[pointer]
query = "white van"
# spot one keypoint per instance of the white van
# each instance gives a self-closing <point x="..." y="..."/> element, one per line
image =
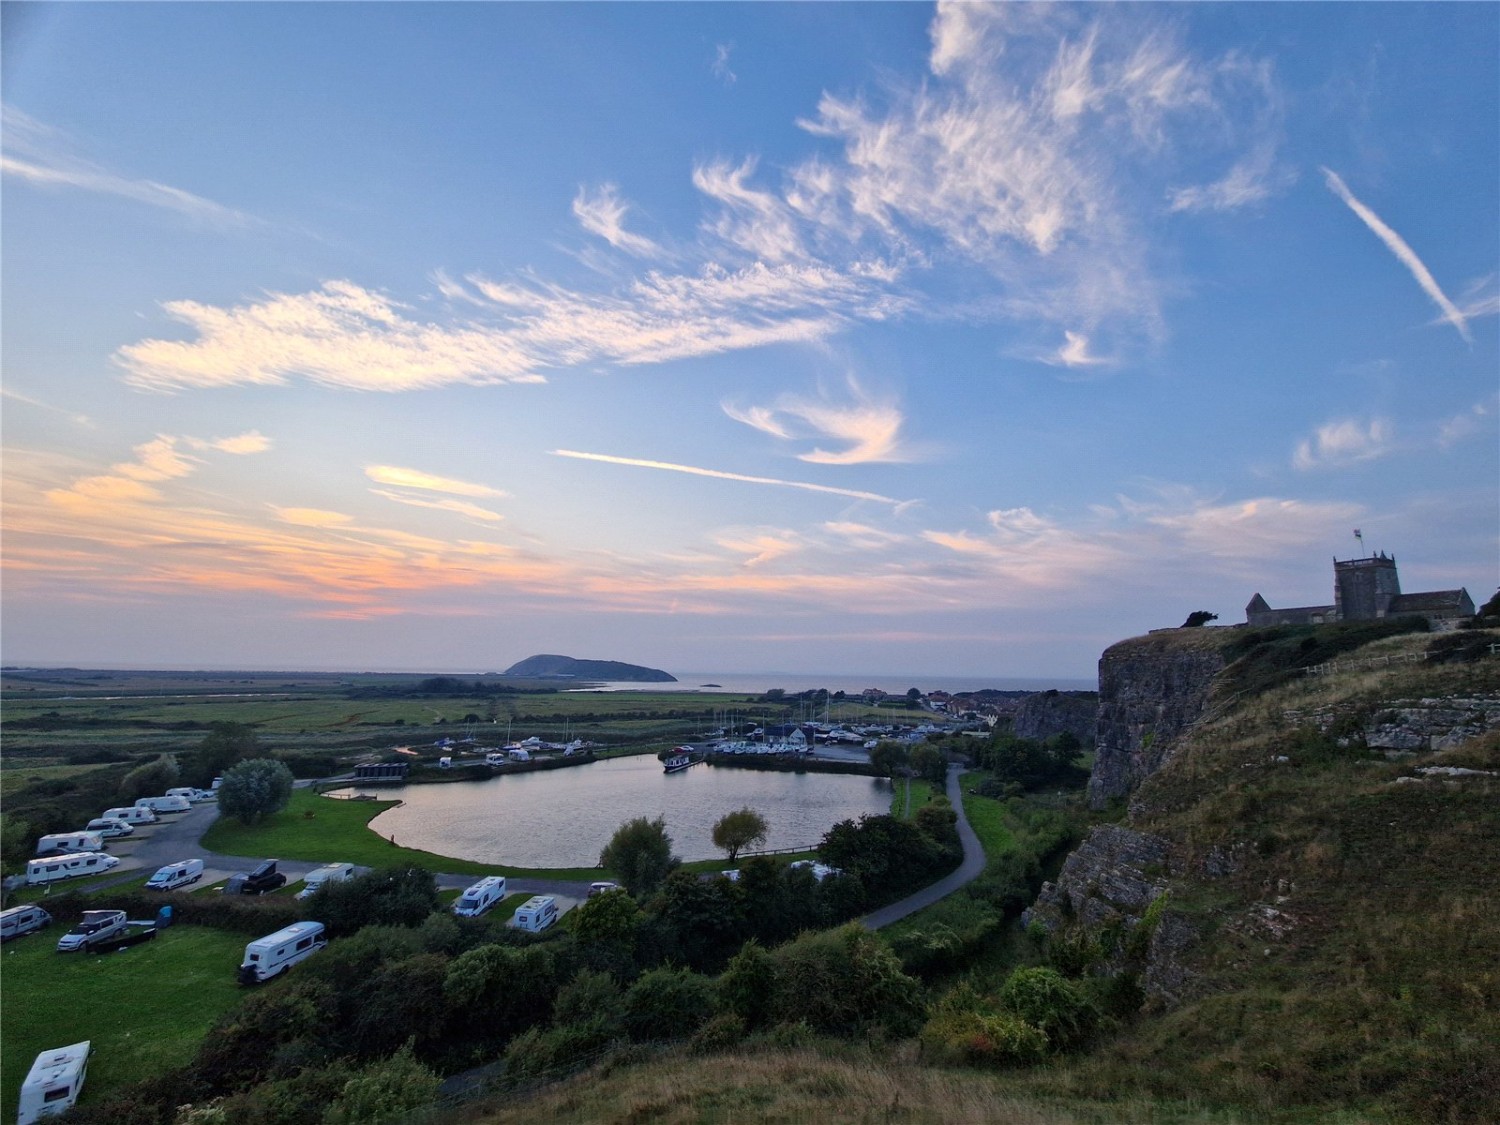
<point x="164" y="804"/>
<point x="54" y="1082"/>
<point x="536" y="914"/>
<point x="175" y="875"/>
<point x="480" y="897"/>
<point x="20" y="920"/>
<point x="275" y="953"/>
<point x="57" y="868"/>
<point x="95" y="926"/>
<point x="329" y="873"/>
<point x="67" y="843"/>
<point x="130" y="815"/>
<point x="109" y="828"/>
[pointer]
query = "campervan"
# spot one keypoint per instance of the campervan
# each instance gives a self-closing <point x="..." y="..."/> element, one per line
<point x="130" y="815"/>
<point x="495" y="758"/>
<point x="20" y="920"/>
<point x="480" y="897"/>
<point x="164" y="804"/>
<point x="109" y="828"/>
<point x="321" y="876"/>
<point x="54" y="1082"/>
<point x="536" y="913"/>
<point x="94" y="927"/>
<point x="175" y="875"/>
<point x="60" y="867"/>
<point x="67" y="843"/>
<point x="275" y="953"/>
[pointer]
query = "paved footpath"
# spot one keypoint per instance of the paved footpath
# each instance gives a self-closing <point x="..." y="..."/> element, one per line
<point x="969" y="870"/>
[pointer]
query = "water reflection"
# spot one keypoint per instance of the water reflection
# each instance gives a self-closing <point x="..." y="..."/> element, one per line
<point x="562" y="818"/>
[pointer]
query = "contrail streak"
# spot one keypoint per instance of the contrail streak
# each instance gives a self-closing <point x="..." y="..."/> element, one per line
<point x="693" y="470"/>
<point x="1405" y="253"/>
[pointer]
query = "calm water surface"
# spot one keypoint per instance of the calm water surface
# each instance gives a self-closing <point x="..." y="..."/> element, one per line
<point x="562" y="818"/>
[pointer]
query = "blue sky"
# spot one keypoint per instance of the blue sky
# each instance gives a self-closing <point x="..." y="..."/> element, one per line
<point x="871" y="338"/>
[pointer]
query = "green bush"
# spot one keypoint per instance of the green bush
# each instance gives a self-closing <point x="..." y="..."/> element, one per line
<point x="843" y="981"/>
<point x="977" y="1038"/>
<point x="668" y="1004"/>
<point x="1047" y="1000"/>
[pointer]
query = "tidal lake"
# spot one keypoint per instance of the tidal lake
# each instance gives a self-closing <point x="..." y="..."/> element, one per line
<point x="564" y="817"/>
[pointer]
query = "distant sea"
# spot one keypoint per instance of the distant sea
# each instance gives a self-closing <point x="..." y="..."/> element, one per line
<point x="757" y="683"/>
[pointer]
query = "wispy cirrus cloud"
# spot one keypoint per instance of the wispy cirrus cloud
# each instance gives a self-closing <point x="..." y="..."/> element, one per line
<point x="720" y="66"/>
<point x="1404" y="254"/>
<point x="718" y="474"/>
<point x="37" y="154"/>
<point x="1074" y="352"/>
<point x="869" y="428"/>
<point x="401" y="477"/>
<point x="160" y="459"/>
<point x="1346" y="441"/>
<point x="602" y="212"/>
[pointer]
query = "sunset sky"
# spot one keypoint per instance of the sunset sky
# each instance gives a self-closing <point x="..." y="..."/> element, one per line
<point x="873" y="338"/>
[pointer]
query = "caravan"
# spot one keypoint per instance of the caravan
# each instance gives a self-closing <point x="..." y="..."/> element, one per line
<point x="58" y="868"/>
<point x="190" y="795"/>
<point x="480" y="897"/>
<point x="322" y="876"/>
<point x="275" y="953"/>
<point x="20" y="920"/>
<point x="109" y="828"/>
<point x="54" y="1082"/>
<point x="130" y="815"/>
<point x="67" y="843"/>
<point x="164" y="804"/>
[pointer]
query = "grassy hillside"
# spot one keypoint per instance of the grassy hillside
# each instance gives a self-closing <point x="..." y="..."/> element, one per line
<point x="1339" y="952"/>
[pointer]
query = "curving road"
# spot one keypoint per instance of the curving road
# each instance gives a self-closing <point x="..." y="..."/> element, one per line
<point x="969" y="870"/>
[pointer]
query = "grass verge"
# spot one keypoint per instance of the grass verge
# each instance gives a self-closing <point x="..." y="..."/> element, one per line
<point x="144" y="1008"/>
<point x="324" y="830"/>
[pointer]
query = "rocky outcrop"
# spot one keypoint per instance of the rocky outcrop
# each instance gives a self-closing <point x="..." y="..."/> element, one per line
<point x="1151" y="689"/>
<point x="1113" y="876"/>
<point x="1049" y="713"/>
<point x="1419" y="725"/>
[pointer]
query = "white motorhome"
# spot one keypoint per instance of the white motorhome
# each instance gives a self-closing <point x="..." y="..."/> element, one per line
<point x="164" y="804"/>
<point x="536" y="914"/>
<point x="275" y="953"/>
<point x="109" y="828"/>
<point x="58" y="868"/>
<point x="175" y="875"/>
<point x="54" y="1082"/>
<point x="329" y="873"/>
<point x="20" y="920"/>
<point x="130" y="815"/>
<point x="67" y="843"/>
<point x="480" y="897"/>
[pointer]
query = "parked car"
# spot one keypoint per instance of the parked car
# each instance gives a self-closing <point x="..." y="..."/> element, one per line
<point x="94" y="927"/>
<point x="110" y="828"/>
<point x="263" y="878"/>
<point x="602" y="886"/>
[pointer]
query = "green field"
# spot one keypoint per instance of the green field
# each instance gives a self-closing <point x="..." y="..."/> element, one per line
<point x="987" y="817"/>
<point x="325" y="830"/>
<point x="144" y="1009"/>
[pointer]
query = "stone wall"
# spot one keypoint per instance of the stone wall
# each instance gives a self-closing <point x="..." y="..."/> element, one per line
<point x="1151" y="689"/>
<point x="1049" y="713"/>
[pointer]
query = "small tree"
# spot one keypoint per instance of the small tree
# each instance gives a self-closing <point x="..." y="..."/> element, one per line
<point x="738" y="830"/>
<point x="1199" y="617"/>
<point x="149" y="780"/>
<point x="255" y="789"/>
<point x="889" y="758"/>
<point x="930" y="763"/>
<point x="640" y="853"/>
<point x="225" y="745"/>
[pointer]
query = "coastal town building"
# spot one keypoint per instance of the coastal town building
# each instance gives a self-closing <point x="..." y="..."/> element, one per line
<point x="1367" y="589"/>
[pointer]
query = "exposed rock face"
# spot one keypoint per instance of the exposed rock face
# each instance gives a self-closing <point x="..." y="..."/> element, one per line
<point x="1151" y="689"/>
<point x="1114" y="875"/>
<point x="1051" y="713"/>
<point x="1413" y="726"/>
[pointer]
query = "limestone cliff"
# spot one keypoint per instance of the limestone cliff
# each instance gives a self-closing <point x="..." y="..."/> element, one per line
<point x="1151" y="690"/>
<point x="1049" y="713"/>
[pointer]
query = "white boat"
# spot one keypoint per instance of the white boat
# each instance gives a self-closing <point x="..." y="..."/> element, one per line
<point x="679" y="759"/>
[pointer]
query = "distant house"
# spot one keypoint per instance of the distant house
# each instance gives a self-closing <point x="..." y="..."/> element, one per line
<point x="1367" y="589"/>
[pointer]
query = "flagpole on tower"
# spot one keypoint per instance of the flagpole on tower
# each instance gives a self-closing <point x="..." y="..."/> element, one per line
<point x="1360" y="536"/>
